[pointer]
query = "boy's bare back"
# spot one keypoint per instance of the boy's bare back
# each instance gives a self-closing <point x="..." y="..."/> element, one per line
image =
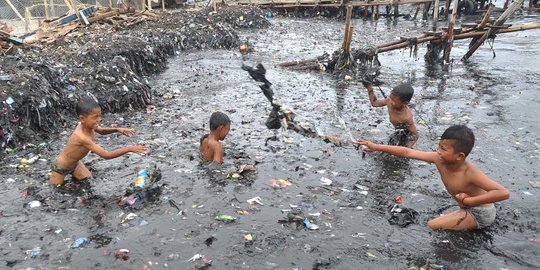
<point x="75" y="148"/>
<point x="211" y="150"/>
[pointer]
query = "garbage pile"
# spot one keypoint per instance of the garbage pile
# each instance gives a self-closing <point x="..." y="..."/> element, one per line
<point x="101" y="52"/>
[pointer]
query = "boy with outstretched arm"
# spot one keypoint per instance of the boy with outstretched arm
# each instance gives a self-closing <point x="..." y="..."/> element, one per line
<point x="400" y="114"/>
<point x="473" y="190"/>
<point x="210" y="148"/>
<point x="82" y="141"/>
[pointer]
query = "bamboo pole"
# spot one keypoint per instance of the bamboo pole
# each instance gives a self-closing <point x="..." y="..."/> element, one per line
<point x="15" y="10"/>
<point x="349" y="39"/>
<point x="27" y="19"/>
<point x="163" y="5"/>
<point x="46" y="6"/>
<point x="508" y="30"/>
<point x="347" y="26"/>
<point x="485" y="20"/>
<point x="446" y="7"/>
<point x="513" y="7"/>
<point x="450" y="34"/>
<point x="435" y="15"/>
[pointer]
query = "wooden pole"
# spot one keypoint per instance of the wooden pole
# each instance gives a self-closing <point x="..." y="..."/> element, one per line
<point x="46" y="7"/>
<point x="53" y="10"/>
<point x="435" y="15"/>
<point x="446" y="7"/>
<point x="485" y="20"/>
<point x="349" y="40"/>
<point x="110" y="4"/>
<point x="508" y="30"/>
<point x="15" y="10"/>
<point x="450" y="34"/>
<point x="347" y="26"/>
<point x="513" y="7"/>
<point x="27" y="19"/>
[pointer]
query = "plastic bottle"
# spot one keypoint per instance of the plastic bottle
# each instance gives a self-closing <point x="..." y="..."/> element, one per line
<point x="142" y="178"/>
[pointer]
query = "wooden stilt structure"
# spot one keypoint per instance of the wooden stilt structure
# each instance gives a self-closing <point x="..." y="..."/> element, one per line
<point x="450" y="34"/>
<point x="435" y="15"/>
<point x="493" y="30"/>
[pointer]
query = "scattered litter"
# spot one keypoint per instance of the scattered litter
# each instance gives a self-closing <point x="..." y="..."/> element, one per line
<point x="535" y="184"/>
<point x="34" y="204"/>
<point x="242" y="212"/>
<point x="248" y="237"/>
<point x="280" y="183"/>
<point x="256" y="200"/>
<point x="34" y="253"/>
<point x="208" y="242"/>
<point x="225" y="218"/>
<point x="122" y="254"/>
<point x="310" y="225"/>
<point x="143" y="222"/>
<point x="528" y="193"/>
<point x="402" y="216"/>
<point x="129" y="217"/>
<point x="359" y="235"/>
<point x="371" y="255"/>
<point x="325" y="181"/>
<point x="194" y="258"/>
<point x="79" y="243"/>
<point x="398" y="200"/>
<point x="534" y="240"/>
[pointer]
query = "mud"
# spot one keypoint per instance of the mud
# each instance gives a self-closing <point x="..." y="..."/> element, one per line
<point x="496" y="97"/>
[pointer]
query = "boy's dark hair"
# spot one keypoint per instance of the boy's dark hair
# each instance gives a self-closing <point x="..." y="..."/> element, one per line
<point x="218" y="119"/>
<point x="462" y="136"/>
<point x="404" y="91"/>
<point x="85" y="105"/>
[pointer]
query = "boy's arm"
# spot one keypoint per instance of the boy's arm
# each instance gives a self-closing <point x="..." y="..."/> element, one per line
<point x="495" y="191"/>
<point x="218" y="152"/>
<point x="414" y="133"/>
<point x="92" y="146"/>
<point x="124" y="131"/>
<point x="372" y="98"/>
<point x="400" y="151"/>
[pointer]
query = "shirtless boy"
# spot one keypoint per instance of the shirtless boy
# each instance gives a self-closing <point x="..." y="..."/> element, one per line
<point x="473" y="190"/>
<point x="211" y="149"/>
<point x="400" y="114"/>
<point x="82" y="141"/>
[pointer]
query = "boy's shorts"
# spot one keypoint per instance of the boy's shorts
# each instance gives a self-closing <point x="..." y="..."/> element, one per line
<point x="60" y="170"/>
<point x="484" y="216"/>
<point x="401" y="136"/>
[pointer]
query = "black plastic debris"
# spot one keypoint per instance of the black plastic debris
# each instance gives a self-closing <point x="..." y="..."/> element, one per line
<point x="402" y="216"/>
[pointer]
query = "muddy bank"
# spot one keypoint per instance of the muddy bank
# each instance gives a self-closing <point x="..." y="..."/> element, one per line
<point x="109" y="60"/>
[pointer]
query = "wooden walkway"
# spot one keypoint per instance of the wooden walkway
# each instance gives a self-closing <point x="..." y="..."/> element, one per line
<point x="326" y="3"/>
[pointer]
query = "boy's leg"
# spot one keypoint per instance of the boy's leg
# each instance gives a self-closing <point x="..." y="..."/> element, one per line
<point x="81" y="172"/>
<point x="457" y="220"/>
<point x="56" y="178"/>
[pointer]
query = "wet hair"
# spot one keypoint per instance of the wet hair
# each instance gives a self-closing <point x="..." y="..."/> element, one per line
<point x="404" y="91"/>
<point x="462" y="136"/>
<point x="85" y="105"/>
<point x="218" y="119"/>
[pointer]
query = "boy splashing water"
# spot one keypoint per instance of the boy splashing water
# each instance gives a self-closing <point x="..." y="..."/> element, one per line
<point x="82" y="141"/>
<point x="473" y="190"/>
<point x="400" y="115"/>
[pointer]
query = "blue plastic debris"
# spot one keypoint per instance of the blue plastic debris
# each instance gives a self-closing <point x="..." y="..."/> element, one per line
<point x="81" y="242"/>
<point x="5" y="78"/>
<point x="310" y="225"/>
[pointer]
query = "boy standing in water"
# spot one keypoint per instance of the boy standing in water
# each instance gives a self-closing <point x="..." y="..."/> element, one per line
<point x="82" y="141"/>
<point x="473" y="190"/>
<point x="400" y="114"/>
<point x="211" y="149"/>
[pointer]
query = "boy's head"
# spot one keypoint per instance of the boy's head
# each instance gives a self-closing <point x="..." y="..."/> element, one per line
<point x="403" y="93"/>
<point x="89" y="112"/>
<point x="220" y="124"/>
<point x="457" y="140"/>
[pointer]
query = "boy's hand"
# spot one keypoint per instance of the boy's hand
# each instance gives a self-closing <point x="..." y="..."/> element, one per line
<point x="367" y="145"/>
<point x="366" y="83"/>
<point x="139" y="149"/>
<point x="460" y="197"/>
<point x="126" y="131"/>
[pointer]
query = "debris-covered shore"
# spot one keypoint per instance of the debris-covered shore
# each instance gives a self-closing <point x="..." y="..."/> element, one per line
<point x="110" y="59"/>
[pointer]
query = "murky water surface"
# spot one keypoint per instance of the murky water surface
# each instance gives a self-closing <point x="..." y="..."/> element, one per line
<point x="497" y="97"/>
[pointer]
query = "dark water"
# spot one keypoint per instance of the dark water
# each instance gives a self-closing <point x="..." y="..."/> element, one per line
<point x="496" y="97"/>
